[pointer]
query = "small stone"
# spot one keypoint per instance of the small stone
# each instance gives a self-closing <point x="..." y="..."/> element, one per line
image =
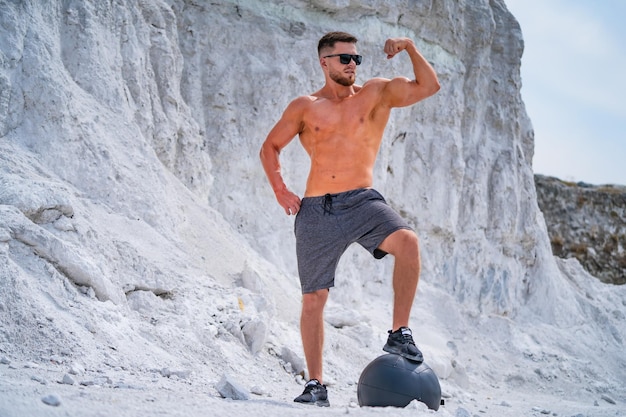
<point x="68" y="380"/>
<point x="52" y="400"/>
<point x="462" y="412"/>
<point x="101" y="380"/>
<point x="417" y="405"/>
<point x="292" y="358"/>
<point x="255" y="334"/>
<point x="76" y="369"/>
<point x="229" y="388"/>
<point x="4" y="360"/>
<point x="608" y="399"/>
<point x="257" y="390"/>
<point x="169" y="373"/>
<point x="39" y="379"/>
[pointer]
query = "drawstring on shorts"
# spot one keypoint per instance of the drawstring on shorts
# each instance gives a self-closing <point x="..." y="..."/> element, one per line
<point x="328" y="204"/>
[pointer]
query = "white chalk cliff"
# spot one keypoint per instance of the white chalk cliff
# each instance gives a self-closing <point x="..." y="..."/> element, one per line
<point x="137" y="228"/>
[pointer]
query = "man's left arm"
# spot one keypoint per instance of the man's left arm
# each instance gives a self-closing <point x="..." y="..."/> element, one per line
<point x="402" y="91"/>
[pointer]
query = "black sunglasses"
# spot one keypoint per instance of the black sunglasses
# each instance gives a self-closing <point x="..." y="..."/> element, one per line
<point x="345" y="58"/>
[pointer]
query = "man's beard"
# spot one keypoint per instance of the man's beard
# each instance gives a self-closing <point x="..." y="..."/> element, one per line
<point x="341" y="79"/>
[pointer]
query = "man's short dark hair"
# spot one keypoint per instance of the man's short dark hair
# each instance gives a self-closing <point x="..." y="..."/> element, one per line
<point x="329" y="40"/>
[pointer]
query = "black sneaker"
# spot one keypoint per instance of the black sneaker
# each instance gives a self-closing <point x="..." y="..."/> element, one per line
<point x="401" y="343"/>
<point x="314" y="393"/>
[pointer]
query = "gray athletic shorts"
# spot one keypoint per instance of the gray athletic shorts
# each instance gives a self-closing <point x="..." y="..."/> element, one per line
<point x="325" y="226"/>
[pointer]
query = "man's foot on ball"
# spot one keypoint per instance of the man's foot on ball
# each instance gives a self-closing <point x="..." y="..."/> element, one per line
<point x="314" y="393"/>
<point x="401" y="343"/>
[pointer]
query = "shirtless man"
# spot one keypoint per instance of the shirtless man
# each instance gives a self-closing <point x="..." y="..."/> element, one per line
<point x="341" y="127"/>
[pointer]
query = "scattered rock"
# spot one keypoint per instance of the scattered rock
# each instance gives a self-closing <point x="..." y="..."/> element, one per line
<point x="608" y="399"/>
<point x="143" y="301"/>
<point x="459" y="375"/>
<point x="340" y="318"/>
<point x="541" y="410"/>
<point x="76" y="369"/>
<point x="255" y="334"/>
<point x="462" y="412"/>
<point x="68" y="380"/>
<point x="229" y="388"/>
<point x="100" y="381"/>
<point x="251" y="280"/>
<point x="52" y="400"/>
<point x="4" y="360"/>
<point x="417" y="405"/>
<point x="296" y="362"/>
<point x="257" y="390"/>
<point x="39" y="379"/>
<point x="182" y="373"/>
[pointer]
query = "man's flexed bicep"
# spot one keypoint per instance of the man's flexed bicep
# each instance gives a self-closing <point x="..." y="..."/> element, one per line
<point x="283" y="132"/>
<point x="402" y="91"/>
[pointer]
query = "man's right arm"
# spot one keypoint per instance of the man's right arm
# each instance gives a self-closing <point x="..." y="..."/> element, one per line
<point x="283" y="132"/>
<point x="401" y="91"/>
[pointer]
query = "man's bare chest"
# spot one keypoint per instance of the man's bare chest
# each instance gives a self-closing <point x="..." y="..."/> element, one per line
<point x="349" y="115"/>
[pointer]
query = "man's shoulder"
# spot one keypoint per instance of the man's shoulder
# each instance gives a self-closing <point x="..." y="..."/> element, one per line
<point x="303" y="101"/>
<point x="376" y="82"/>
<point x="299" y="104"/>
<point x="306" y="99"/>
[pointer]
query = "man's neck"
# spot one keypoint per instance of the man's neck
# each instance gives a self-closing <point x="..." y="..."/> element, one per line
<point x="335" y="91"/>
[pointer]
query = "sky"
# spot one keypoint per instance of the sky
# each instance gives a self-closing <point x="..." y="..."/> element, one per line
<point x="574" y="86"/>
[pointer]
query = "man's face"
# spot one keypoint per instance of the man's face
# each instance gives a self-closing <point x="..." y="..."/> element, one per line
<point x="343" y="74"/>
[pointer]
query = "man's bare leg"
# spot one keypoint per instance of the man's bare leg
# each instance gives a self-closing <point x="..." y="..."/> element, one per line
<point x="312" y="331"/>
<point x="403" y="245"/>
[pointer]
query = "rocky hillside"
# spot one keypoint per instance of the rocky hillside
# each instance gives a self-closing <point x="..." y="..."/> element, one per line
<point x="586" y="222"/>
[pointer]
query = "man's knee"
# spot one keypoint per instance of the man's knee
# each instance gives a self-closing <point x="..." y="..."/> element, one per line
<point x="314" y="302"/>
<point x="402" y="243"/>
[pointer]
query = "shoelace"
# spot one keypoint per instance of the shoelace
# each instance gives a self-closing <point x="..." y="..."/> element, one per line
<point x="311" y="385"/>
<point x="407" y="337"/>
